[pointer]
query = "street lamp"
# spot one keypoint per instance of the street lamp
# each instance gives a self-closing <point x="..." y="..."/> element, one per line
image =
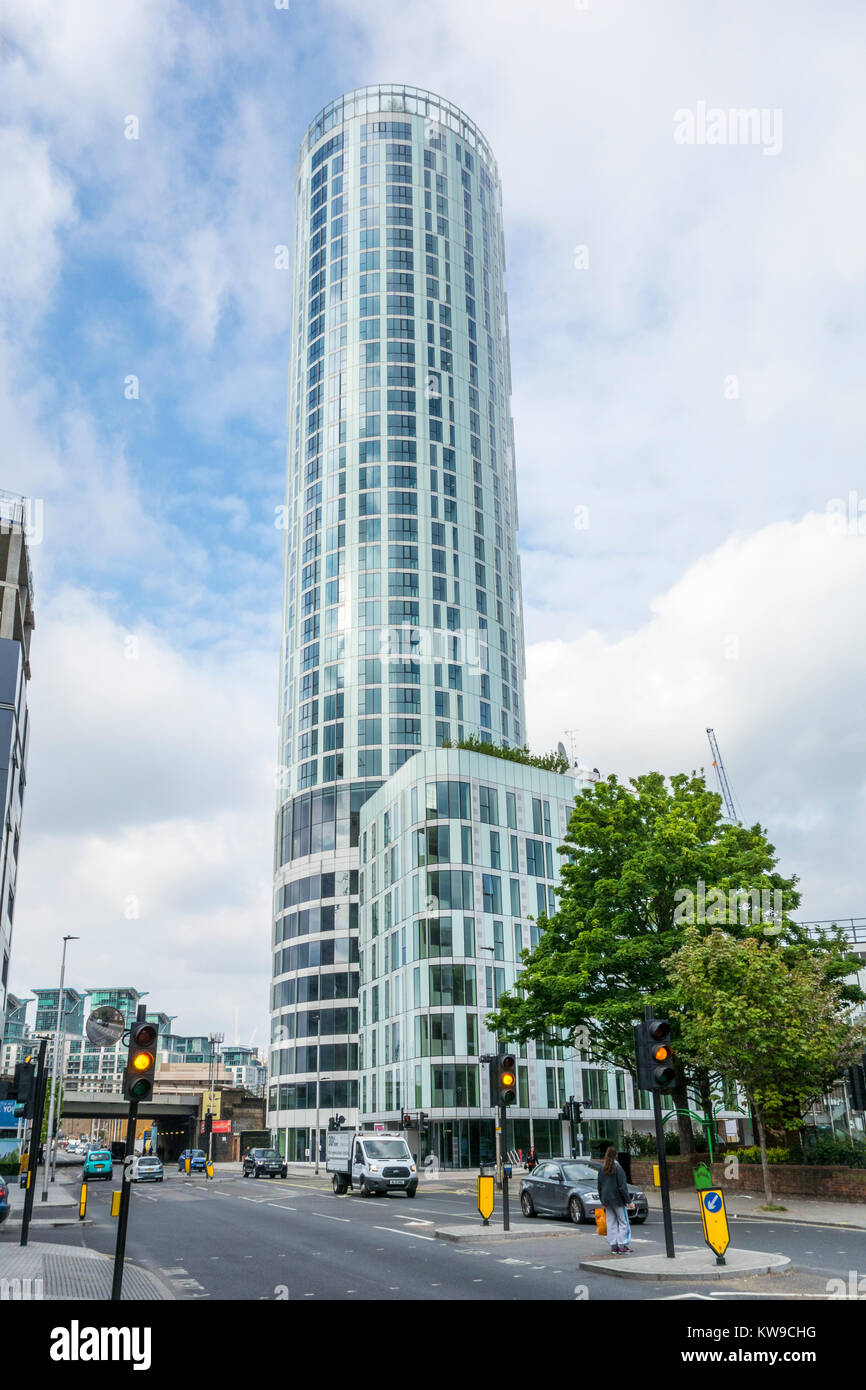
<point x="213" y="1039"/>
<point x="49" y="1133"/>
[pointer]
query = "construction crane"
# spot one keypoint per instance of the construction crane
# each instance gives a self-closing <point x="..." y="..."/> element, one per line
<point x="724" y="784"/>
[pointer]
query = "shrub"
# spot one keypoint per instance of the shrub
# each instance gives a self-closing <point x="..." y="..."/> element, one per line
<point x="753" y="1155"/>
<point x="827" y="1149"/>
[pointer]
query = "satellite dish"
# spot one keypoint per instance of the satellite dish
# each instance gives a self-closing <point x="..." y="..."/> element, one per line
<point x="560" y="748"/>
<point x="105" y="1026"/>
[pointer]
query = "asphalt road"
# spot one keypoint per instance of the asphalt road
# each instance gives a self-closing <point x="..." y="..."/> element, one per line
<point x="232" y="1238"/>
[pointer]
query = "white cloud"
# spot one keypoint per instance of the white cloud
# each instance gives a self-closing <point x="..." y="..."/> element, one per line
<point x="150" y="791"/>
<point x="762" y="640"/>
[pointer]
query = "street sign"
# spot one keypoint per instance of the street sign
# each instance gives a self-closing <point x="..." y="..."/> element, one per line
<point x="715" y="1221"/>
<point x="485" y="1198"/>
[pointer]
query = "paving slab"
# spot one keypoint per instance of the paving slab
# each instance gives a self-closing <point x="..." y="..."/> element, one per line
<point x="691" y="1265"/>
<point x="59" y="1272"/>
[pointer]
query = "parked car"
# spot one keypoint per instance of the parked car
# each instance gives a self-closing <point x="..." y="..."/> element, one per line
<point x="4" y="1199"/>
<point x="97" y="1164"/>
<point x="146" y="1168"/>
<point x="197" y="1161"/>
<point x="569" y="1187"/>
<point x="263" y="1163"/>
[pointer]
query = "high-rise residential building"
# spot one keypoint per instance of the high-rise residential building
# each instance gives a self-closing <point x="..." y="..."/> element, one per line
<point x="403" y="633"/>
<point x="16" y="626"/>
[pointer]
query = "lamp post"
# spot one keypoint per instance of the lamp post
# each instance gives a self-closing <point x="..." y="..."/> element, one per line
<point x="51" y="1145"/>
<point x="213" y="1039"/>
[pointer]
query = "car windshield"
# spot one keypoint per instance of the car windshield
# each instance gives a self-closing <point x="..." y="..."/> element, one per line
<point x="197" y="1153"/>
<point x="580" y="1172"/>
<point x="267" y="1153"/>
<point x="147" y="1162"/>
<point x="99" y="1153"/>
<point x="385" y="1148"/>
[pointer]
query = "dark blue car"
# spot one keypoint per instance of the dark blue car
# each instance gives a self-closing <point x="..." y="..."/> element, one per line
<point x="4" y="1199"/>
<point x="197" y="1161"/>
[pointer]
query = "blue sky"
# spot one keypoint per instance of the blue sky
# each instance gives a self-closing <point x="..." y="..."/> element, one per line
<point x="690" y="378"/>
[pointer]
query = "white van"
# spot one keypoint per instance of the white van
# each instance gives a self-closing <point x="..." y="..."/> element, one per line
<point x="372" y="1162"/>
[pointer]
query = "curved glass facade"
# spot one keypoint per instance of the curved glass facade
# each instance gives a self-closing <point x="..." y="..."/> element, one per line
<point x="402" y="607"/>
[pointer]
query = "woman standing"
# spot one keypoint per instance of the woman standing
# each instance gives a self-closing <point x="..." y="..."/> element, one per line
<point x="613" y="1193"/>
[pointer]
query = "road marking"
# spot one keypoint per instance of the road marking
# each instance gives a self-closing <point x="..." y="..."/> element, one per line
<point x="282" y="1206"/>
<point x="326" y="1217"/>
<point x="394" y="1232"/>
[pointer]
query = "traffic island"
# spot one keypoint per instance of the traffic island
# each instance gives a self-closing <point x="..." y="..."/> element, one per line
<point x="495" y="1231"/>
<point x="690" y="1265"/>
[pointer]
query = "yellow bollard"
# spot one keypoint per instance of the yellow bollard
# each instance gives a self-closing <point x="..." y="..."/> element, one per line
<point x="209" y="1169"/>
<point x="115" y="1203"/>
<point x="657" y="1182"/>
<point x="82" y="1202"/>
<point x="186" y="1165"/>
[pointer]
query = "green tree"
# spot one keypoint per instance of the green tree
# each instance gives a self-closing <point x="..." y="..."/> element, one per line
<point x="550" y="762"/>
<point x="633" y="855"/>
<point x="775" y="1020"/>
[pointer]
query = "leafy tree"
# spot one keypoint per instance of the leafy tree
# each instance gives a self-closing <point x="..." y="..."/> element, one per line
<point x="632" y="853"/>
<point x="769" y="1018"/>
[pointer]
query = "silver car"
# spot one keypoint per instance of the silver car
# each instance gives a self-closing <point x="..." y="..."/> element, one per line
<point x="569" y="1187"/>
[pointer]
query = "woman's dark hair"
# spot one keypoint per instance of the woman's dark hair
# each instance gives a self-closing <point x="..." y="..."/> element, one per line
<point x="609" y="1160"/>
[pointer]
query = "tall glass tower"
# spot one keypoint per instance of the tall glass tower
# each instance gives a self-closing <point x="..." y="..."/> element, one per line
<point x="402" y="608"/>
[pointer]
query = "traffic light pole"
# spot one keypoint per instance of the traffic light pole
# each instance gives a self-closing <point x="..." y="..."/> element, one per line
<point x="664" y="1184"/>
<point x="123" y="1215"/>
<point x="506" y="1224"/>
<point x="35" y="1141"/>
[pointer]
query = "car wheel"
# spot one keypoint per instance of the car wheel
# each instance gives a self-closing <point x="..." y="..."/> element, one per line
<point x="526" y="1204"/>
<point x="637" y="1220"/>
<point x="576" y="1211"/>
<point x="284" y="1173"/>
<point x="364" y="1189"/>
<point x="410" y="1191"/>
<point x="336" y="1184"/>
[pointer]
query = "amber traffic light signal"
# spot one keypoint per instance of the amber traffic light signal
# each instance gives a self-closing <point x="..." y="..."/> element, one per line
<point x="140" y="1062"/>
<point x="654" y="1055"/>
<point x="503" y="1079"/>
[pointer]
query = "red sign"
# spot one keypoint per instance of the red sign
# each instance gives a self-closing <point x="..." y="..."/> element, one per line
<point x="222" y="1126"/>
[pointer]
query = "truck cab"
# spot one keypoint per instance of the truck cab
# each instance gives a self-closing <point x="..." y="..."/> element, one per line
<point x="373" y="1162"/>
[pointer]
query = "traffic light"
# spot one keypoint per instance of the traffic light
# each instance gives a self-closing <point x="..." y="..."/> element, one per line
<point x="208" y="1125"/>
<point x="140" y="1061"/>
<point x="655" y="1069"/>
<point x="422" y="1122"/>
<point x="503" y="1079"/>
<point x="856" y="1078"/>
<point x="406" y="1121"/>
<point x="24" y="1090"/>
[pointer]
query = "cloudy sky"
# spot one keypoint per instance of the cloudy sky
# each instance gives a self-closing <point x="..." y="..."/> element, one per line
<point x="687" y="348"/>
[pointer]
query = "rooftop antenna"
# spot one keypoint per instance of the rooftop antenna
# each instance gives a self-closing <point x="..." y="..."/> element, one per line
<point x="572" y="738"/>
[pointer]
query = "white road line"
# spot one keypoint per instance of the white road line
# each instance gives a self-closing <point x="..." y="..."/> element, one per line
<point x="394" y="1232"/>
<point x="282" y="1206"/>
<point x="325" y="1217"/>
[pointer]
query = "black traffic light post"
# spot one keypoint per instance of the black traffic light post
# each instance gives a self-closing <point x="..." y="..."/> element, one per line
<point x="503" y="1092"/>
<point x="137" y="1086"/>
<point x="655" y="1073"/>
<point x="37" y="1097"/>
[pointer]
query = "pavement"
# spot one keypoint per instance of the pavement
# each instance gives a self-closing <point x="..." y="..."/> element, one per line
<point x="42" y="1270"/>
<point x="804" y="1211"/>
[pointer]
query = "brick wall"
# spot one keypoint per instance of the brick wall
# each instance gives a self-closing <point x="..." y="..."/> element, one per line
<point x="788" y="1179"/>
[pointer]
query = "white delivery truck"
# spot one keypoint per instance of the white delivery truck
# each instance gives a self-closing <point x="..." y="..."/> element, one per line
<point x="372" y="1161"/>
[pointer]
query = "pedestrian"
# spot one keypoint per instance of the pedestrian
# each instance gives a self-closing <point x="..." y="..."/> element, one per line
<point x="613" y="1193"/>
<point x="532" y="1160"/>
